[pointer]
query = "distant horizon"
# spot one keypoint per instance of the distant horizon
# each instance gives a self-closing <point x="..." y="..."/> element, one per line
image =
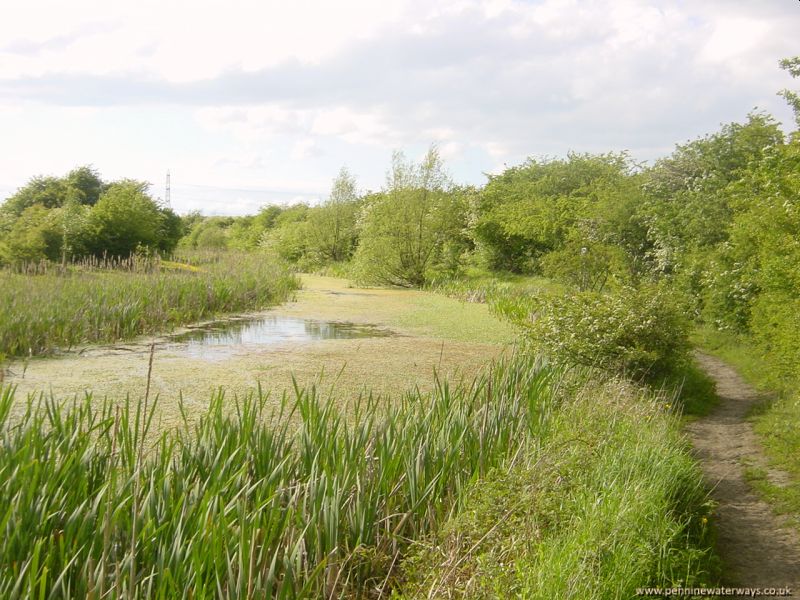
<point x="187" y="196"/>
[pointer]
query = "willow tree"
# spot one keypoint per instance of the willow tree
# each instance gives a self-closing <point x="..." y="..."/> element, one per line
<point x="406" y="226"/>
<point x="332" y="226"/>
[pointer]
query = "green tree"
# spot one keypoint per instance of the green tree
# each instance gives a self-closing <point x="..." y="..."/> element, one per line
<point x="534" y="208"/>
<point x="288" y="238"/>
<point x="760" y="281"/>
<point x="332" y="226"/>
<point x="34" y="236"/>
<point x="213" y="236"/>
<point x="86" y="181"/>
<point x="124" y="219"/>
<point x="172" y="230"/>
<point x="405" y="227"/>
<point x="48" y="192"/>
<point x="74" y="218"/>
<point x="792" y="65"/>
<point x="687" y="208"/>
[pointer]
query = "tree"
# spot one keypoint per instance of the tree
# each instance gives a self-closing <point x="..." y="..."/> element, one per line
<point x="86" y="181"/>
<point x="332" y="226"/>
<point x="34" y="236"/>
<point x="172" y="230"/>
<point x="48" y="192"/>
<point x="533" y="209"/>
<point x="792" y="65"/>
<point x="288" y="238"/>
<point x="74" y="229"/>
<point x="687" y="208"/>
<point x="124" y="219"/>
<point x="408" y="223"/>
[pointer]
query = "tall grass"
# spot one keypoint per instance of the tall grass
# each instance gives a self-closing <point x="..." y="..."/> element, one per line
<point x="609" y="501"/>
<point x="291" y="502"/>
<point x="47" y="308"/>
<point x="491" y="288"/>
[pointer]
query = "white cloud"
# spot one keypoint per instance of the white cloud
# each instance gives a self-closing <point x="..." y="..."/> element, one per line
<point x="250" y="92"/>
<point x="178" y="40"/>
<point x="305" y="148"/>
<point x="733" y="38"/>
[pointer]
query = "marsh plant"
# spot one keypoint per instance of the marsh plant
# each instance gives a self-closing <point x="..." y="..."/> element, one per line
<point x="257" y="498"/>
<point x="102" y="300"/>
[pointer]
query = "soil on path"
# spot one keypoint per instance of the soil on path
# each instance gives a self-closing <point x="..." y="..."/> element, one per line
<point x="757" y="548"/>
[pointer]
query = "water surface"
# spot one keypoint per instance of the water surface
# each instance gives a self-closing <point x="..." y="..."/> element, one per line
<point x="228" y="335"/>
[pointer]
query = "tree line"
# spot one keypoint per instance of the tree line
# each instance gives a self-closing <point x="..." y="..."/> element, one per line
<point x="718" y="220"/>
<point x="78" y="215"/>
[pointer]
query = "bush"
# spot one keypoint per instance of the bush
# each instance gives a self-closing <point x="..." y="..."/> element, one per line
<point x="413" y="231"/>
<point x="776" y="328"/>
<point x="641" y="332"/>
<point x="591" y="266"/>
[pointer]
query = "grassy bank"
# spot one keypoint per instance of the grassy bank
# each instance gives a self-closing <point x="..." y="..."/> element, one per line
<point x="94" y="302"/>
<point x="607" y="502"/>
<point x="244" y="504"/>
<point x="777" y="422"/>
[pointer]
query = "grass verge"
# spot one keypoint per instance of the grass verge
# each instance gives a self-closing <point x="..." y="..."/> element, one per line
<point x="608" y="502"/>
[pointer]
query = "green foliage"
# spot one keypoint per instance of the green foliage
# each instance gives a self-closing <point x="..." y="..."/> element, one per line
<point x="608" y="501"/>
<point x="687" y="204"/>
<point x="48" y="192"/>
<point x="171" y="231"/>
<point x="588" y="268"/>
<point x="208" y="233"/>
<point x="124" y="219"/>
<point x="34" y="236"/>
<point x="87" y="183"/>
<point x="332" y="233"/>
<point x="413" y="227"/>
<point x="534" y="208"/>
<point x="792" y="65"/>
<point x="752" y="282"/>
<point x="60" y="219"/>
<point x="641" y="332"/>
<point x="288" y="238"/>
<point x="82" y="185"/>
<point x="248" y="500"/>
<point x="100" y="304"/>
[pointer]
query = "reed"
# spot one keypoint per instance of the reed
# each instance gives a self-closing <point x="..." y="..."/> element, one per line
<point x="256" y="499"/>
<point x="526" y="479"/>
<point x="45" y="307"/>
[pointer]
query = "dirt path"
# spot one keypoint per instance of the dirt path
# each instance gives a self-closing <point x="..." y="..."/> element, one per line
<point x="756" y="548"/>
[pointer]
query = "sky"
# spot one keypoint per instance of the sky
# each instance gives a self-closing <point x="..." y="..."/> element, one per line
<point x="252" y="102"/>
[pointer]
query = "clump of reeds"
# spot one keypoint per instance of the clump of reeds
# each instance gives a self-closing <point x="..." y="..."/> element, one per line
<point x="47" y="307"/>
<point x="255" y="499"/>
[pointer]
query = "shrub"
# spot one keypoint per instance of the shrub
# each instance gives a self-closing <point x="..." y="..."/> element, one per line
<point x="642" y="332"/>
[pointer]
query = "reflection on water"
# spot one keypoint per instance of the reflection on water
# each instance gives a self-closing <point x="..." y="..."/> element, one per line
<point x="269" y="330"/>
